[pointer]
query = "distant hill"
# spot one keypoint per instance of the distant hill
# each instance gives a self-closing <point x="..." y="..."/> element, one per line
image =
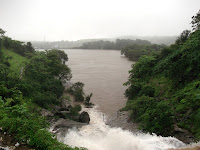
<point x="167" y="40"/>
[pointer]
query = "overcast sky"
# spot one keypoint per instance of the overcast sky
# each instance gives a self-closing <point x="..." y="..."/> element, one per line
<point x="81" y="19"/>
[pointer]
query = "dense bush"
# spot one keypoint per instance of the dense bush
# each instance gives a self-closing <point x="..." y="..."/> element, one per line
<point x="143" y="68"/>
<point x="134" y="89"/>
<point x="135" y="51"/>
<point x="16" y="117"/>
<point x="16" y="46"/>
<point x="44" y="75"/>
<point x="163" y="89"/>
<point x="77" y="91"/>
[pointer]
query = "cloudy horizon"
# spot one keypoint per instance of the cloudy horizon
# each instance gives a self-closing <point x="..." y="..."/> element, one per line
<point x="73" y="20"/>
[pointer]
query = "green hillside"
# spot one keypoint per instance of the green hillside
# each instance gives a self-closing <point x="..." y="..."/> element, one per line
<point x="21" y="99"/>
<point x="164" y="88"/>
<point x="15" y="60"/>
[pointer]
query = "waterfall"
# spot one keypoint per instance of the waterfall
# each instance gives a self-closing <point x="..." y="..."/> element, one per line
<point x="99" y="136"/>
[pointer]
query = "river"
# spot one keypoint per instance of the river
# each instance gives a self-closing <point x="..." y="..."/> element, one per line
<point x="103" y="72"/>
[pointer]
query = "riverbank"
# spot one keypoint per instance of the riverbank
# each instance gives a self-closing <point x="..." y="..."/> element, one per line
<point x="122" y="120"/>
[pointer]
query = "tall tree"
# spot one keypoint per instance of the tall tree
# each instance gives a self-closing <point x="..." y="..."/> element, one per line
<point x="2" y="32"/>
<point x="183" y="37"/>
<point x="29" y="47"/>
<point x="196" y="22"/>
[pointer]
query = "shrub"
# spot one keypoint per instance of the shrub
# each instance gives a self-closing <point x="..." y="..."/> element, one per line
<point x="143" y="68"/>
<point x="77" y="90"/>
<point x="153" y="116"/>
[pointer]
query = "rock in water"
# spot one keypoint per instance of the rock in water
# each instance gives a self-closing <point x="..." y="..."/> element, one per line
<point x="84" y="117"/>
<point x="60" y="127"/>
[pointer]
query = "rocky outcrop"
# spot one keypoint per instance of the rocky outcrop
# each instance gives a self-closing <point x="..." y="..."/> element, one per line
<point x="84" y="117"/>
<point x="46" y="113"/>
<point x="183" y="135"/>
<point x="59" y="118"/>
<point x="58" y="111"/>
<point x="178" y="129"/>
<point x="61" y="125"/>
<point x="62" y="114"/>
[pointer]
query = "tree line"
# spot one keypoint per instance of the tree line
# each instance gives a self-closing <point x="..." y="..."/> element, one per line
<point x="117" y="45"/>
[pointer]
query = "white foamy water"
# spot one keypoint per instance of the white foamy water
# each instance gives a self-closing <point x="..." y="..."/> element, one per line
<point x="99" y="136"/>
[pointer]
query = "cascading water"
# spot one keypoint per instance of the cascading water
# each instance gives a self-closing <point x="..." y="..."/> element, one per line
<point x="99" y="136"/>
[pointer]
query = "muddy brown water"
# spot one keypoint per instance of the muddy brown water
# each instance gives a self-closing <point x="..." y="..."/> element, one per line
<point x="103" y="72"/>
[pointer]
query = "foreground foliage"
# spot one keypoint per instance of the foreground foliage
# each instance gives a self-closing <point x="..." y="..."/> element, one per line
<point x="35" y="82"/>
<point x="164" y="89"/>
<point x="21" y="119"/>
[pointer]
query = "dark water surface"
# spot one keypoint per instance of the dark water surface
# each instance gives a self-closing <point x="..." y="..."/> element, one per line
<point x="103" y="72"/>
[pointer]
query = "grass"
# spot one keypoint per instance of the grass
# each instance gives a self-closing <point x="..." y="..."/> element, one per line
<point x="16" y="61"/>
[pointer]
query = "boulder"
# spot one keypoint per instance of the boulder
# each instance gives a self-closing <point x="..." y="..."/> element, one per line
<point x="178" y="129"/>
<point x="66" y="123"/>
<point x="183" y="135"/>
<point x="84" y="117"/>
<point x="61" y="125"/>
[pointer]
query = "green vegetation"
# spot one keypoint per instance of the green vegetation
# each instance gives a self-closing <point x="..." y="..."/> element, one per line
<point x="16" y="60"/>
<point x="107" y="42"/>
<point x="77" y="91"/>
<point x="132" y="49"/>
<point x="24" y="92"/>
<point x="135" y="51"/>
<point x="43" y="78"/>
<point x="17" y="46"/>
<point x="164" y="88"/>
<point x="119" y="44"/>
<point x="21" y="118"/>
